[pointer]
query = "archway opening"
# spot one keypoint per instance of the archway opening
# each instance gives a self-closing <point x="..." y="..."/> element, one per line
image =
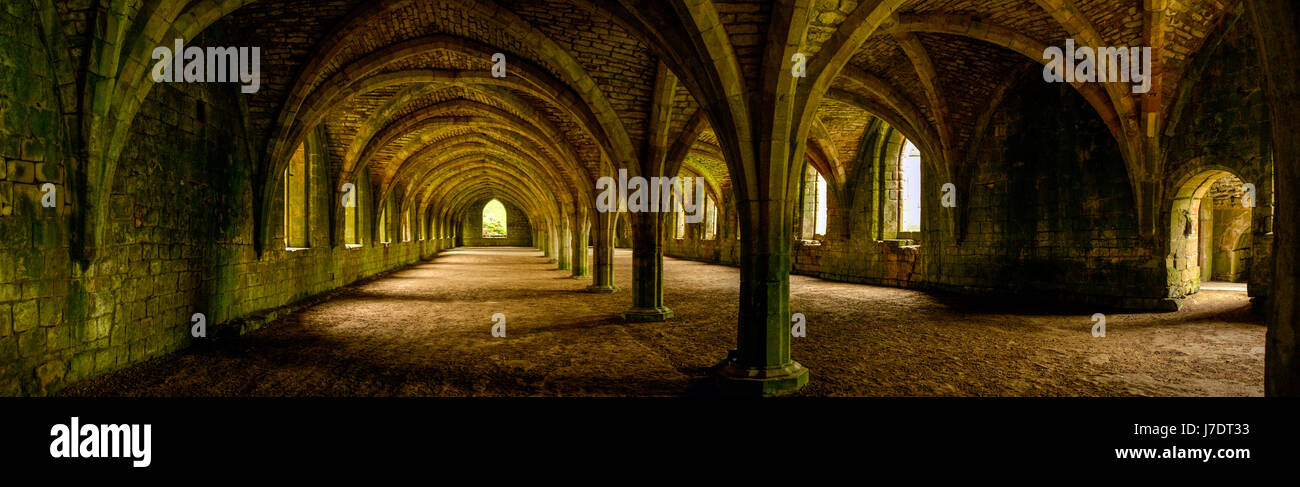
<point x="494" y="220"/>
<point x="1210" y="234"/>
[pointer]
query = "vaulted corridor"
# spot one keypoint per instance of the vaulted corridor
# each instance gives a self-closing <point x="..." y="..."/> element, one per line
<point x="649" y="197"/>
<point x="426" y="331"/>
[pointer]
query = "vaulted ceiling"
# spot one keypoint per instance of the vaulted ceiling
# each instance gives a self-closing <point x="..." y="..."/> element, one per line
<point x="405" y="92"/>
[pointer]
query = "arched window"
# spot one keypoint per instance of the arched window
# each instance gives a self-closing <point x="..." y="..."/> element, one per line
<point x="352" y="218"/>
<point x="898" y="189"/>
<point x="296" y="216"/>
<point x="710" y="218"/>
<point x="494" y="220"/>
<point x="814" y="210"/>
<point x="680" y="210"/>
<point x="821" y="206"/>
<point x="383" y="225"/>
<point x="909" y="200"/>
<point x="406" y="225"/>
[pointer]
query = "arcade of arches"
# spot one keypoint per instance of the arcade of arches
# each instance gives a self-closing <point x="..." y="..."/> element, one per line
<point x="407" y="169"/>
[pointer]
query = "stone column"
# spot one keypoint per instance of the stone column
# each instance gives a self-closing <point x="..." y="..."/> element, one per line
<point x="603" y="254"/>
<point x="761" y="363"/>
<point x="553" y="244"/>
<point x="1277" y="28"/>
<point x="581" y="229"/>
<point x="565" y="248"/>
<point x="647" y="270"/>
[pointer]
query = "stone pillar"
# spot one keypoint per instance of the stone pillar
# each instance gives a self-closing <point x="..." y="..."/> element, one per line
<point x="581" y="229"/>
<point x="553" y="244"/>
<point x="647" y="270"/>
<point x="565" y="248"/>
<point x="1277" y="28"/>
<point x="602" y="280"/>
<point x="761" y="363"/>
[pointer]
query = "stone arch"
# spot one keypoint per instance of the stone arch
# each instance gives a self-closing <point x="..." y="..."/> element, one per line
<point x="364" y="75"/>
<point x="572" y="74"/>
<point x="1182" y="263"/>
<point x="114" y="94"/>
<point x="518" y="228"/>
<point x="1110" y="105"/>
<point x="522" y="115"/>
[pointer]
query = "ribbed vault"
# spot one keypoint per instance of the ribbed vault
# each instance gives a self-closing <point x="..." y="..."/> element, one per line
<point x="401" y="97"/>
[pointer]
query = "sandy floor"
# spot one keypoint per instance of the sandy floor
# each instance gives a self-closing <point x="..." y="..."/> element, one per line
<point x="426" y="330"/>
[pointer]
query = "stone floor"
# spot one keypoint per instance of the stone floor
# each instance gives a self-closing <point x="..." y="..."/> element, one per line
<point x="426" y="330"/>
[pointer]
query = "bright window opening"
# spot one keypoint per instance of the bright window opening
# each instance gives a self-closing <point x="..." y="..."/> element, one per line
<point x="909" y="204"/>
<point x="813" y="212"/>
<point x="494" y="220"/>
<point x="406" y="225"/>
<point x="680" y="211"/>
<point x="295" y="201"/>
<point x="821" y="206"/>
<point x="352" y="219"/>
<point x="710" y="219"/>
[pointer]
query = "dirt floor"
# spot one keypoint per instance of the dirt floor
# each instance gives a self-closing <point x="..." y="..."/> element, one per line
<point x="426" y="331"/>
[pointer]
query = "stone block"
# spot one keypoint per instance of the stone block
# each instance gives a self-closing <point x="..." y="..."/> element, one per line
<point x="26" y="316"/>
<point x="51" y="312"/>
<point x="21" y="172"/>
<point x="8" y="349"/>
<point x="10" y="292"/>
<point x="80" y="367"/>
<point x="105" y="360"/>
<point x="34" y="150"/>
<point x="6" y="198"/>
<point x="31" y="343"/>
<point x="51" y="373"/>
<point x="48" y="172"/>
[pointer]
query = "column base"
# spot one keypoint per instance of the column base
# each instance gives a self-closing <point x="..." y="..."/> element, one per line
<point x="766" y="382"/>
<point x="604" y="289"/>
<point x="647" y="315"/>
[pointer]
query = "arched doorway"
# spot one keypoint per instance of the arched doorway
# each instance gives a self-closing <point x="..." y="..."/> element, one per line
<point x="1210" y="234"/>
<point x="494" y="220"/>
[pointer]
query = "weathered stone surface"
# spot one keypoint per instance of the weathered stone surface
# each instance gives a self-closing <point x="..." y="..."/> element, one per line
<point x="26" y="316"/>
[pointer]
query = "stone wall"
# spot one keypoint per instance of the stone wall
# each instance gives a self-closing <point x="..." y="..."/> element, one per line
<point x="1220" y="124"/>
<point x="178" y="240"/>
<point x="39" y="297"/>
<point x="1044" y="211"/>
<point x="519" y="233"/>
